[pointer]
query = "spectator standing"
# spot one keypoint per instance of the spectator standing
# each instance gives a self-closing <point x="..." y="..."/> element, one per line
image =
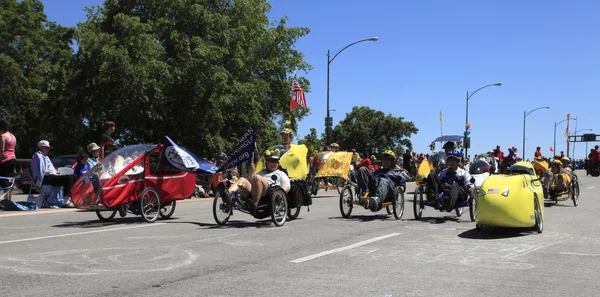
<point x="106" y="139"/>
<point x="8" y="143"/>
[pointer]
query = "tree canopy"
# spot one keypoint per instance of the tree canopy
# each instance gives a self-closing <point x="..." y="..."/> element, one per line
<point x="371" y="131"/>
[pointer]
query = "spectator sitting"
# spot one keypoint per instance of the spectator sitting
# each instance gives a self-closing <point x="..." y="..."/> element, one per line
<point x="93" y="155"/>
<point x="44" y="172"/>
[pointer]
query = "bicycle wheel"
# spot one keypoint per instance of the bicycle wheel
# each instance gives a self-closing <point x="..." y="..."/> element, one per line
<point x="150" y="205"/>
<point x="575" y="193"/>
<point x="418" y="203"/>
<point x="221" y="210"/>
<point x="346" y="201"/>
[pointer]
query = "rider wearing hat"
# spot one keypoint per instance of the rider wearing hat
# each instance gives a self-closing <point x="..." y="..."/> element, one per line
<point x="560" y="180"/>
<point x="382" y="181"/>
<point x="335" y="147"/>
<point x="453" y="180"/>
<point x="258" y="183"/>
<point x="448" y="147"/>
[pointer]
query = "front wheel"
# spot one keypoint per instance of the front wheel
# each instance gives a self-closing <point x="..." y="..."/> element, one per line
<point x="539" y="219"/>
<point x="106" y="215"/>
<point x="221" y="209"/>
<point x="150" y="204"/>
<point x="418" y="203"/>
<point x="575" y="193"/>
<point x="398" y="204"/>
<point x="294" y="212"/>
<point x="167" y="210"/>
<point x="346" y="202"/>
<point x="473" y="205"/>
<point x="279" y="207"/>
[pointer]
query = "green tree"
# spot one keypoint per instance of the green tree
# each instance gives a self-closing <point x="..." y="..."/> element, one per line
<point x="200" y="71"/>
<point x="369" y="131"/>
<point x="35" y="59"/>
<point x="312" y="141"/>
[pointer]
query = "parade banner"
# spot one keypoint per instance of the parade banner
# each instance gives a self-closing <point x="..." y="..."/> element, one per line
<point x="242" y="151"/>
<point x="180" y="158"/>
<point x="337" y="164"/>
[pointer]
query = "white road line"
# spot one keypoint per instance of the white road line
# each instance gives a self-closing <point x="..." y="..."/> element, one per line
<point x="80" y="233"/>
<point x="579" y="254"/>
<point x="325" y="253"/>
<point x="589" y="188"/>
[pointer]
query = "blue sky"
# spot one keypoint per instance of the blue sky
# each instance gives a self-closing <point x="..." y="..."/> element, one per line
<point x="430" y="53"/>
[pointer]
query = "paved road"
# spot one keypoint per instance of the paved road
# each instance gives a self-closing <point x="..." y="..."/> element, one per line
<point x="70" y="253"/>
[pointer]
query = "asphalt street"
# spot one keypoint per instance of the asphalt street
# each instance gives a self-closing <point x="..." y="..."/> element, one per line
<point x="68" y="252"/>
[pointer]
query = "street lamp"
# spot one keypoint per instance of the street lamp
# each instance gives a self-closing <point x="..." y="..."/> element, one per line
<point x="467" y="112"/>
<point x="575" y="142"/>
<point x="525" y="114"/>
<point x="555" y="125"/>
<point x="329" y="60"/>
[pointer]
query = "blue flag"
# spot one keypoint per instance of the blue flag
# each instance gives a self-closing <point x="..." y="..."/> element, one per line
<point x="184" y="160"/>
<point x="242" y="151"/>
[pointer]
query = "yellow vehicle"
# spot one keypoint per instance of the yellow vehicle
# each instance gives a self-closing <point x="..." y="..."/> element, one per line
<point x="514" y="199"/>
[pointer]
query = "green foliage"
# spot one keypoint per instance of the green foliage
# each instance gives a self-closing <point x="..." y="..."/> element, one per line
<point x="35" y="58"/>
<point x="370" y="131"/>
<point x="200" y="71"/>
<point x="312" y="141"/>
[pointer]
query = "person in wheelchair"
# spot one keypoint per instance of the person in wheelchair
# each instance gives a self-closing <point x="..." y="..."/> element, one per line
<point x="560" y="180"/>
<point x="382" y="181"/>
<point x="454" y="181"/>
<point x="258" y="184"/>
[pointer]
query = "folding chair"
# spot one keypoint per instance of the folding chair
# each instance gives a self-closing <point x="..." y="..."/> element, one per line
<point x="39" y="199"/>
<point x="7" y="189"/>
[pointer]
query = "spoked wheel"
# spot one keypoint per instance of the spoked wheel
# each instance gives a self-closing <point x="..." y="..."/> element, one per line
<point x="418" y="202"/>
<point x="294" y="212"/>
<point x="106" y="215"/>
<point x="150" y="205"/>
<point x="339" y="185"/>
<point x="346" y="201"/>
<point x="539" y="220"/>
<point x="389" y="210"/>
<point x="221" y="209"/>
<point x="398" y="203"/>
<point x="279" y="207"/>
<point x="459" y="211"/>
<point x="167" y="209"/>
<point x="575" y="193"/>
<point x="473" y="205"/>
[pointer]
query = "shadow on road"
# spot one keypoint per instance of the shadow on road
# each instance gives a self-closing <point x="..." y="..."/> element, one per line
<point x="494" y="233"/>
<point x="233" y="224"/>
<point x="363" y="218"/>
<point x="442" y="220"/>
<point x="97" y="223"/>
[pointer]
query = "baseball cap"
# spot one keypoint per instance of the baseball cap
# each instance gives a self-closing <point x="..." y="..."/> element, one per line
<point x="43" y="143"/>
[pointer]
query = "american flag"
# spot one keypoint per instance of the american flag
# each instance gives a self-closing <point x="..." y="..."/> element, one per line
<point x="300" y="99"/>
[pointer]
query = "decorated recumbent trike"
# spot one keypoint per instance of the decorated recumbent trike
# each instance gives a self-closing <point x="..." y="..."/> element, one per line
<point x="277" y="204"/>
<point x="145" y="180"/>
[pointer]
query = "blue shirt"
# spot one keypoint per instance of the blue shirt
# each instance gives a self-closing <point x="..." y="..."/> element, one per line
<point x="91" y="162"/>
<point x="81" y="169"/>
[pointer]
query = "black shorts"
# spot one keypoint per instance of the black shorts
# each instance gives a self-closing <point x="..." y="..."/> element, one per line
<point x="7" y="169"/>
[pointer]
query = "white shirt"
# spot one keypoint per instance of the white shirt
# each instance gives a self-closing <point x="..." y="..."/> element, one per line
<point x="461" y="176"/>
<point x="282" y="179"/>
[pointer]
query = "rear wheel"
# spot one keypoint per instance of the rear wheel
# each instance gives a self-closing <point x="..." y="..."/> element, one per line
<point x="221" y="209"/>
<point x="106" y="215"/>
<point x="167" y="210"/>
<point x="294" y="212"/>
<point x="398" y="203"/>
<point x="539" y="220"/>
<point x="473" y="205"/>
<point x="459" y="211"/>
<point x="418" y="202"/>
<point x="346" y="201"/>
<point x="279" y="207"/>
<point x="150" y="204"/>
<point x="575" y="193"/>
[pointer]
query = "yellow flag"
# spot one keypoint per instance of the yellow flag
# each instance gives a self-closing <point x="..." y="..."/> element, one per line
<point x="440" y="115"/>
<point x="294" y="161"/>
<point x="567" y="131"/>
<point x="337" y="164"/>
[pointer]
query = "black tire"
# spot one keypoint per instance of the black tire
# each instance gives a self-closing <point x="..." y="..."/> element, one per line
<point x="539" y="220"/>
<point x="167" y="210"/>
<point x="575" y="193"/>
<point x="459" y="211"/>
<point x="398" y="203"/>
<point x="418" y="203"/>
<point x="106" y="215"/>
<point x="293" y="213"/>
<point x="389" y="210"/>
<point x="149" y="205"/>
<point x="478" y="227"/>
<point x="473" y="205"/>
<point x="346" y="202"/>
<point x="279" y="207"/>
<point x="221" y="211"/>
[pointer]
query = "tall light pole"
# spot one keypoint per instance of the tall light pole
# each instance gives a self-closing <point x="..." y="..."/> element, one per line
<point x="525" y="114"/>
<point x="467" y="113"/>
<point x="328" y="120"/>
<point x="574" y="142"/>
<point x="555" y="125"/>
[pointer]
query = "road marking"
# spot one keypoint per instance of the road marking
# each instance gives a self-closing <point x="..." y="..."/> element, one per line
<point x="325" y="253"/>
<point x="579" y="254"/>
<point x="80" y="233"/>
<point x="589" y="188"/>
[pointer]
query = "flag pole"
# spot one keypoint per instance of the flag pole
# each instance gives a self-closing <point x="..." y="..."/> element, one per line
<point x="441" y="125"/>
